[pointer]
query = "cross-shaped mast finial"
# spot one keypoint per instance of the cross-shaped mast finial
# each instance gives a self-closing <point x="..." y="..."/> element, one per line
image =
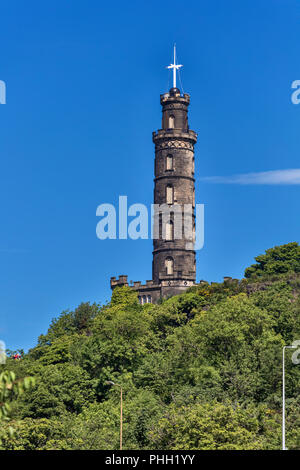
<point x="175" y="67"/>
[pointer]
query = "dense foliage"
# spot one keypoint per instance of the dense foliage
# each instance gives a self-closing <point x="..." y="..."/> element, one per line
<point x="277" y="260"/>
<point x="199" y="371"/>
<point x="10" y="388"/>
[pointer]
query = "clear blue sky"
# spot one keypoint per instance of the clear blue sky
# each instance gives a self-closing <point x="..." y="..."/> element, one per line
<point x="83" y="84"/>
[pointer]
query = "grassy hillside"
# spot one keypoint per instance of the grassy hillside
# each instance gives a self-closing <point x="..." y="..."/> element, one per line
<point x="199" y="371"/>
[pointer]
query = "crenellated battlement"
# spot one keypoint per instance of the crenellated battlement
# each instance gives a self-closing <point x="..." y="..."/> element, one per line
<point x="120" y="282"/>
<point x="138" y="285"/>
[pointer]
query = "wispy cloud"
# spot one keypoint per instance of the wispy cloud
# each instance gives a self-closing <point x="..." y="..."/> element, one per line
<point x="288" y="177"/>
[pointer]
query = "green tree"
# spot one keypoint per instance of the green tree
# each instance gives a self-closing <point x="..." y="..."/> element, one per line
<point x="61" y="388"/>
<point x="278" y="260"/>
<point x="37" y="434"/>
<point x="209" y="426"/>
<point x="10" y="388"/>
<point x="199" y="370"/>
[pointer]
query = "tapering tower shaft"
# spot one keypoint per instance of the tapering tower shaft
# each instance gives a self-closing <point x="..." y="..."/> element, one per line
<point x="174" y="262"/>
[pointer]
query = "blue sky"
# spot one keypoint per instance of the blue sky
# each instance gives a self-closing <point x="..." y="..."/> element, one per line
<point x="83" y="84"/>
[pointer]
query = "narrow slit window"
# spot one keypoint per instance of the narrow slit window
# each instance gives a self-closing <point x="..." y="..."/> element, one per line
<point x="169" y="162"/>
<point x="171" y="122"/>
<point x="170" y="266"/>
<point x="169" y="231"/>
<point x="170" y="194"/>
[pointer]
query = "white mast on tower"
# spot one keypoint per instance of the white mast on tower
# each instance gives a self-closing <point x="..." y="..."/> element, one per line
<point x="175" y="67"/>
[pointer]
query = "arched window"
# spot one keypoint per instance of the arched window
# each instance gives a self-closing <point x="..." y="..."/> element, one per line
<point x="144" y="300"/>
<point x="140" y="299"/>
<point x="170" y="194"/>
<point x="149" y="299"/>
<point x="169" y="265"/>
<point x="169" y="165"/>
<point x="171" y="122"/>
<point x="169" y="231"/>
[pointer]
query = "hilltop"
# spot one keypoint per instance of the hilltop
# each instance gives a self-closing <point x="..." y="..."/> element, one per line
<point x="201" y="370"/>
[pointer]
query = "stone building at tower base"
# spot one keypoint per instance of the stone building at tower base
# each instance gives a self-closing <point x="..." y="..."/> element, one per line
<point x="151" y="292"/>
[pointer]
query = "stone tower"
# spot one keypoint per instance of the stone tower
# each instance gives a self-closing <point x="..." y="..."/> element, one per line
<point x="174" y="261"/>
<point x="174" y="264"/>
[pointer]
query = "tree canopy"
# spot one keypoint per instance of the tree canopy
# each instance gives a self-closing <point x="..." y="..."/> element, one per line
<point x="201" y="370"/>
<point x="278" y="260"/>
